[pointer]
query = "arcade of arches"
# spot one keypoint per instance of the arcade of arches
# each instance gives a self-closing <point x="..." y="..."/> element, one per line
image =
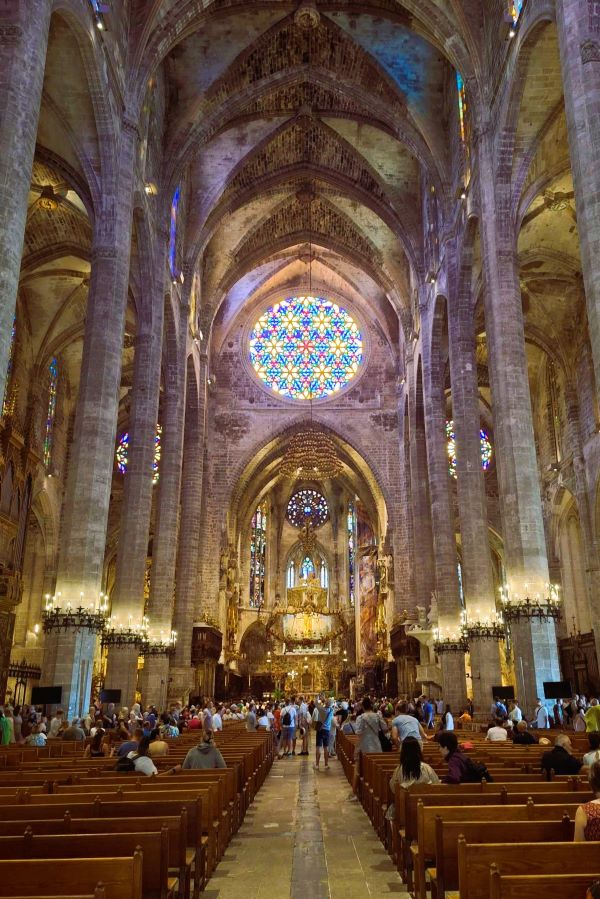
<point x="299" y="347"/>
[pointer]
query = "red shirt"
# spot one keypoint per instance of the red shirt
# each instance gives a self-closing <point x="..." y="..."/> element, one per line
<point x="277" y="716"/>
<point x="194" y="724"/>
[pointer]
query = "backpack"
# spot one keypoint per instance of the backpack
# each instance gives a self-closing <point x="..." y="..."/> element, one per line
<point x="475" y="772"/>
<point x="125" y="765"/>
<point x="286" y="719"/>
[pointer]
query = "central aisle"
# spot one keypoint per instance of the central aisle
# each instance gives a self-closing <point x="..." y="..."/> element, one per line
<point x="301" y="838"/>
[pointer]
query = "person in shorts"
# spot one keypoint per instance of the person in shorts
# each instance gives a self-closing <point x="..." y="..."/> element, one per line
<point x="322" y="720"/>
<point x="289" y="717"/>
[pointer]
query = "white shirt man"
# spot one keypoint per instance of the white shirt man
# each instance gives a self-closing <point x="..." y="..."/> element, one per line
<point x="217" y="721"/>
<point x="541" y="716"/>
<point x="56" y="723"/>
<point x="496" y="734"/>
<point x="515" y="715"/>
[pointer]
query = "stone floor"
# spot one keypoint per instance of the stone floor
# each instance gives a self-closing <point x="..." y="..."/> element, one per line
<point x="302" y="839"/>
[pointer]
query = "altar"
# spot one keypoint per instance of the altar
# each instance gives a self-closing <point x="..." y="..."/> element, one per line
<point x="305" y="624"/>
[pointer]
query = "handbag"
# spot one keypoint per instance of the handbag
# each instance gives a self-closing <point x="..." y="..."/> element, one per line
<point x="384" y="740"/>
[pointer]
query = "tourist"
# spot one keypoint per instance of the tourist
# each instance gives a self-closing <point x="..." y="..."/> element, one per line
<point x="515" y="714"/>
<point x="130" y="745"/>
<point x="593" y="891"/>
<point x="18" y="724"/>
<point x="541" y="718"/>
<point x="36" y="737"/>
<point x="322" y="719"/>
<point x="521" y="736"/>
<point x="368" y="728"/>
<point x="461" y="769"/>
<point x="57" y="724"/>
<point x="497" y="733"/>
<point x="428" y="713"/>
<point x="97" y="748"/>
<point x="592" y="716"/>
<point x="411" y="770"/>
<point x="74" y="733"/>
<point x="207" y="716"/>
<point x="594" y="754"/>
<point x="158" y="747"/>
<point x="405" y="725"/>
<point x="560" y="759"/>
<point x="142" y="763"/>
<point x="447" y="721"/>
<point x="587" y="817"/>
<point x="250" y="719"/>
<point x="289" y="715"/>
<point x="578" y="721"/>
<point x="217" y="719"/>
<point x="205" y="755"/>
<point x="167" y="728"/>
<point x="349" y="725"/>
<point x="304" y="720"/>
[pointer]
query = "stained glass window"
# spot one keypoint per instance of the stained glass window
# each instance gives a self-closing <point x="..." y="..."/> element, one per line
<point x="9" y="367"/>
<point x="307" y="569"/>
<point x="291" y="575"/>
<point x="122" y="454"/>
<point x="258" y="556"/>
<point x="307" y="504"/>
<point x="306" y="348"/>
<point x="515" y="7"/>
<point x="351" y="533"/>
<point x="173" y="234"/>
<point x="486" y="448"/>
<point x="51" y="414"/>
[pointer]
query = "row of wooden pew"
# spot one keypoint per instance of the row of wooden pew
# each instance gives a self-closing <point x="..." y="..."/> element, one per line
<point x="512" y="837"/>
<point x="71" y="826"/>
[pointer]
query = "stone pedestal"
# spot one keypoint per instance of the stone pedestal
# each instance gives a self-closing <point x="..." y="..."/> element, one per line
<point x="454" y="681"/>
<point x="182" y="680"/>
<point x="121" y="673"/>
<point x="69" y="663"/>
<point x="485" y="673"/>
<point x="154" y="681"/>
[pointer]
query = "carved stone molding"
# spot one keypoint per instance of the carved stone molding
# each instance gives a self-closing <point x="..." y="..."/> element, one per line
<point x="590" y="52"/>
<point x="10" y="33"/>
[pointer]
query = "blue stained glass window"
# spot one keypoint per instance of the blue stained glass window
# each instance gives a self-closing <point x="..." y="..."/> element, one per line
<point x="122" y="454"/>
<point x="307" y="568"/>
<point x="484" y="440"/>
<point x="258" y="556"/>
<point x="173" y="234"/>
<point x="515" y="9"/>
<point x="307" y="504"/>
<point x="52" y="385"/>
<point x="306" y="348"/>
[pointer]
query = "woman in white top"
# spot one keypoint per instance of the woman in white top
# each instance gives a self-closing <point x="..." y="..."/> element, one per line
<point x="411" y="770"/>
<point x="497" y="733"/>
<point x="447" y="722"/>
<point x="141" y="759"/>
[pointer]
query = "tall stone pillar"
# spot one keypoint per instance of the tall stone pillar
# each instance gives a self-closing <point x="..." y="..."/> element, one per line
<point x="89" y="475"/>
<point x="155" y="676"/>
<point x="444" y="538"/>
<point x="404" y="558"/>
<point x="421" y="512"/>
<point x="128" y="596"/>
<point x="478" y="583"/>
<point x="578" y="23"/>
<point x="534" y="641"/>
<point x="23" y="46"/>
<point x="182" y="672"/>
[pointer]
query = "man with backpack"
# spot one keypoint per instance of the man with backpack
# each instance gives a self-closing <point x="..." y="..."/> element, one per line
<point x="461" y="768"/>
<point x="323" y="720"/>
<point x="289" y="716"/>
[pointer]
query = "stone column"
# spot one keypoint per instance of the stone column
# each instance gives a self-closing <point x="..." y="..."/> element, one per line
<point x="128" y="595"/>
<point x="155" y="676"/>
<point x="89" y="475"/>
<point x="578" y="23"/>
<point x="478" y="584"/>
<point x="421" y="511"/>
<point x="404" y="568"/>
<point x="534" y="642"/>
<point x="182" y="673"/>
<point x="23" y="46"/>
<point x="444" y="538"/>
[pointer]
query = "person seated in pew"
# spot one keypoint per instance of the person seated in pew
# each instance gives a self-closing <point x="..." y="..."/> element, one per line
<point x="36" y="737"/>
<point x="594" y="754"/>
<point x="167" y="728"/>
<point x="560" y="759"/>
<point x="497" y="733"/>
<point x="202" y="757"/>
<point x="158" y="747"/>
<point x="411" y="770"/>
<point x="593" y="891"/>
<point x="521" y="736"/>
<point x="97" y="748"/>
<point x="587" y="817"/>
<point x="461" y="768"/>
<point x="131" y="744"/>
<point x="74" y="733"/>
<point x="142" y="762"/>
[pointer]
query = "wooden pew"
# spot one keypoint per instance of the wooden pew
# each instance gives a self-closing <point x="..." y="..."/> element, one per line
<point x="121" y="877"/>
<point x="531" y="859"/>
<point x="540" y="886"/>
<point x="154" y="847"/>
